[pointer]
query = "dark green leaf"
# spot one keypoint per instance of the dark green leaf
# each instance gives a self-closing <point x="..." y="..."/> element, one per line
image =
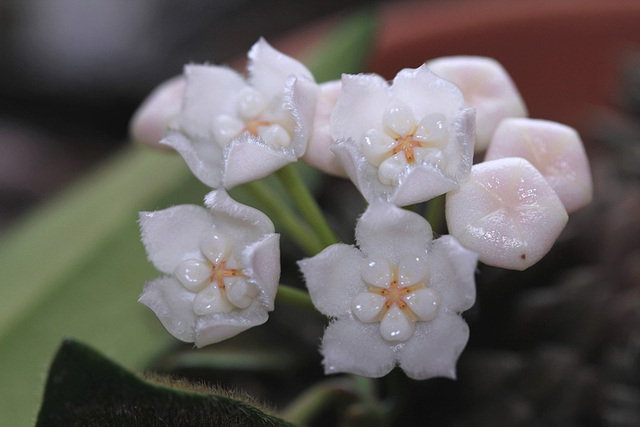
<point x="85" y="388"/>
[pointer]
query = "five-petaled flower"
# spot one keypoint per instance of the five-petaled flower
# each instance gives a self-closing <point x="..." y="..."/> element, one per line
<point x="394" y="299"/>
<point x="231" y="130"/>
<point x="223" y="267"/>
<point x="407" y="142"/>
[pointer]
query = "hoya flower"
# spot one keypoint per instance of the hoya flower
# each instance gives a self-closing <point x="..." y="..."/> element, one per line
<point x="487" y="87"/>
<point x="507" y="213"/>
<point x="556" y="150"/>
<point x="406" y="142"/>
<point x="233" y="130"/>
<point x="222" y="267"/>
<point x="393" y="299"/>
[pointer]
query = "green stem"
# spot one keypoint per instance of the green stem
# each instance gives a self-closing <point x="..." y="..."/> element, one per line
<point x="295" y="297"/>
<point x="295" y="228"/>
<point x="435" y="213"/>
<point x="302" y="410"/>
<point x="306" y="204"/>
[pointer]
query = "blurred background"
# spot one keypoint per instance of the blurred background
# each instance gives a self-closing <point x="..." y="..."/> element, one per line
<point x="73" y="72"/>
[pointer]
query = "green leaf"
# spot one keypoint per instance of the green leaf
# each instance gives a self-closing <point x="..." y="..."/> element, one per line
<point x="85" y="388"/>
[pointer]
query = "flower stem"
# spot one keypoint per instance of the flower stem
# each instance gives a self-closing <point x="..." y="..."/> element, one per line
<point x="297" y="230"/>
<point x="295" y="297"/>
<point x="435" y="213"/>
<point x="313" y="400"/>
<point x="306" y="204"/>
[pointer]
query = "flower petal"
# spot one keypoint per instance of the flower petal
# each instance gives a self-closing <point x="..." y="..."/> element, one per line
<point x="262" y="261"/>
<point x="173" y="235"/>
<point x="360" y="107"/>
<point x="202" y="155"/>
<point x="385" y="230"/>
<point x="333" y="279"/>
<point x="434" y="348"/>
<point x="354" y="347"/>
<point x="453" y="270"/>
<point x="248" y="158"/>
<point x="219" y="327"/>
<point x="269" y="69"/>
<point x="159" y="109"/>
<point x="424" y="303"/>
<point x="244" y="223"/>
<point x="173" y="305"/>
<point x="210" y="91"/>
<point x="426" y="92"/>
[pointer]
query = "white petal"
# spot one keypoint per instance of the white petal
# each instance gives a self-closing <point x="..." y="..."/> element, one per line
<point x="413" y="189"/>
<point x="387" y="231"/>
<point x="263" y="267"/>
<point x="367" y="306"/>
<point x="377" y="271"/>
<point x="453" y="270"/>
<point x="487" y="87"/>
<point x="269" y="69"/>
<point x="247" y="159"/>
<point x="241" y="292"/>
<point x="360" y="107"/>
<point x="396" y="326"/>
<point x="210" y="91"/>
<point x="244" y="223"/>
<point x="226" y="127"/>
<point x="333" y="279"/>
<point x="211" y="300"/>
<point x="173" y="304"/>
<point x="434" y="348"/>
<point x="398" y="119"/>
<point x="173" y="235"/>
<point x="193" y="274"/>
<point x="202" y="155"/>
<point x="159" y="109"/>
<point x="507" y="213"/>
<point x="393" y="169"/>
<point x="376" y="146"/>
<point x="275" y="136"/>
<point x="554" y="149"/>
<point x="424" y="303"/>
<point x="218" y="327"/>
<point x="251" y="103"/>
<point x="413" y="269"/>
<point x="426" y="92"/>
<point x="357" y="348"/>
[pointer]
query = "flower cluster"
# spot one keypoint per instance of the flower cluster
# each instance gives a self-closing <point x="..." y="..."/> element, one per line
<point x="394" y="298"/>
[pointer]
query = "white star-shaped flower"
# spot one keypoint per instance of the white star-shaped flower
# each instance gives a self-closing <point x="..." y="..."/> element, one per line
<point x="394" y="299"/>
<point x="406" y="142"/>
<point x="222" y="266"/>
<point x="231" y="130"/>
